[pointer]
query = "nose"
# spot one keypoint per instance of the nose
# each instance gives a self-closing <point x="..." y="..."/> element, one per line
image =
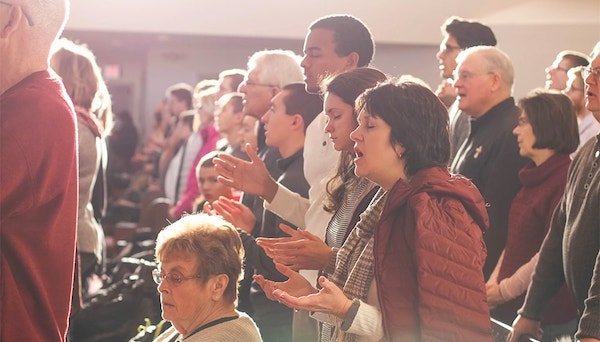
<point x="355" y="135"/>
<point x="588" y="80"/>
<point x="516" y="130"/>
<point x="163" y="287"/>
<point x="456" y="83"/>
<point x="439" y="55"/>
<point x="304" y="62"/>
<point x="242" y="87"/>
<point x="265" y="118"/>
<point x="328" y="126"/>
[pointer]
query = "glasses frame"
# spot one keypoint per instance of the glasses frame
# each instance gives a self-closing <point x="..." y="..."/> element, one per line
<point x="25" y="13"/>
<point x="250" y="83"/>
<point x="588" y="70"/>
<point x="158" y="278"/>
<point x="467" y="76"/>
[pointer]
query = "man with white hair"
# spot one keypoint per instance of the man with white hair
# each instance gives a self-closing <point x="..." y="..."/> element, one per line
<point x="38" y="176"/>
<point x="269" y="71"/>
<point x="490" y="155"/>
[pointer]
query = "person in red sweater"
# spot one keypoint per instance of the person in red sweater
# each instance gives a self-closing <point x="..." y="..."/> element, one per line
<point x="414" y="271"/>
<point x="547" y="133"/>
<point x="38" y="176"/>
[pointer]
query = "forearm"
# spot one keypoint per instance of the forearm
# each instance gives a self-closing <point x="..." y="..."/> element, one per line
<point x="367" y="322"/>
<point x="256" y="257"/>
<point x="517" y="284"/>
<point x="288" y="205"/>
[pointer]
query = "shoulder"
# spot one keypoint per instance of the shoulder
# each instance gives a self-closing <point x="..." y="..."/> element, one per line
<point x="242" y="328"/>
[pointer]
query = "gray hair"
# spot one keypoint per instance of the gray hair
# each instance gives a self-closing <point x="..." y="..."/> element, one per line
<point x="596" y="50"/>
<point x="277" y="67"/>
<point x="493" y="60"/>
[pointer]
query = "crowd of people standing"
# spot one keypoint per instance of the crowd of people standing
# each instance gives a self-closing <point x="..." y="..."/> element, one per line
<point x="310" y="198"/>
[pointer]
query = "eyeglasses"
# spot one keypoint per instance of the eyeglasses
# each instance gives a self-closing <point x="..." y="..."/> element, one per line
<point x="586" y="71"/>
<point x="466" y="76"/>
<point x="27" y="16"/>
<point x="250" y="83"/>
<point x="174" y="279"/>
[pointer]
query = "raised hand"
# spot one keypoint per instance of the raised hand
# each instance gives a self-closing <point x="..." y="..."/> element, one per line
<point x="250" y="177"/>
<point x="330" y="299"/>
<point x="301" y="251"/>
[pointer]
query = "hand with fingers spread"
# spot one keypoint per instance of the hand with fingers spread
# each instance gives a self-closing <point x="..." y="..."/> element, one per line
<point x="330" y="299"/>
<point x="301" y="251"/>
<point x="525" y="327"/>
<point x="296" y="284"/>
<point x="235" y="212"/>
<point x="251" y="177"/>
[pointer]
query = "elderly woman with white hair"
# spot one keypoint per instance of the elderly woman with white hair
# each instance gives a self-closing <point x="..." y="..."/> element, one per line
<point x="199" y="265"/>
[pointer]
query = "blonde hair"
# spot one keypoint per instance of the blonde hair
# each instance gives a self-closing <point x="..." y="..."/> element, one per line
<point x="214" y="242"/>
<point x="81" y="75"/>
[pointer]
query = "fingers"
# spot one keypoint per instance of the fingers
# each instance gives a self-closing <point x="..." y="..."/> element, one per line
<point x="285" y="270"/>
<point x="287" y="229"/>
<point x="252" y="154"/>
<point x="288" y="300"/>
<point x="266" y="285"/>
<point x="207" y="209"/>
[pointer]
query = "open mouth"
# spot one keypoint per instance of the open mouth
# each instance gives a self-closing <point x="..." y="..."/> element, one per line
<point x="358" y="153"/>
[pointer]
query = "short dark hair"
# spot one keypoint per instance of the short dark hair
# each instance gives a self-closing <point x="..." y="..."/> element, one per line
<point x="468" y="33"/>
<point x="576" y="58"/>
<point x="299" y="101"/>
<point x="183" y="92"/>
<point x="350" y="35"/>
<point x="418" y="121"/>
<point x="553" y="120"/>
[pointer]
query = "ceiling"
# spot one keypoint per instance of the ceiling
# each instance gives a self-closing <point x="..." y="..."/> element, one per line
<point x="391" y="21"/>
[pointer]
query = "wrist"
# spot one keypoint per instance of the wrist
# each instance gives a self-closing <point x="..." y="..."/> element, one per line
<point x="271" y="188"/>
<point x="350" y="314"/>
<point x="345" y="309"/>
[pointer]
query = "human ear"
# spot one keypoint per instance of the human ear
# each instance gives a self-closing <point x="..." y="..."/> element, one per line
<point x="15" y="15"/>
<point x="219" y="285"/>
<point x="352" y="60"/>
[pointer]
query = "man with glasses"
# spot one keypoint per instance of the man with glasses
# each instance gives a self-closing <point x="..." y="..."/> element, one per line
<point x="38" y="176"/>
<point x="571" y="251"/>
<point x="459" y="34"/>
<point x="575" y="90"/>
<point x="269" y="71"/>
<point x="490" y="155"/>
<point x="556" y="74"/>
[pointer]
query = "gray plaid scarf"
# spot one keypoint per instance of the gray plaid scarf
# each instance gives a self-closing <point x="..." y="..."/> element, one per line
<point x="354" y="265"/>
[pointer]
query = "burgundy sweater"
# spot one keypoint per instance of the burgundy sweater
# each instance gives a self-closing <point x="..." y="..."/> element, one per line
<point x="38" y="209"/>
<point x="528" y="224"/>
